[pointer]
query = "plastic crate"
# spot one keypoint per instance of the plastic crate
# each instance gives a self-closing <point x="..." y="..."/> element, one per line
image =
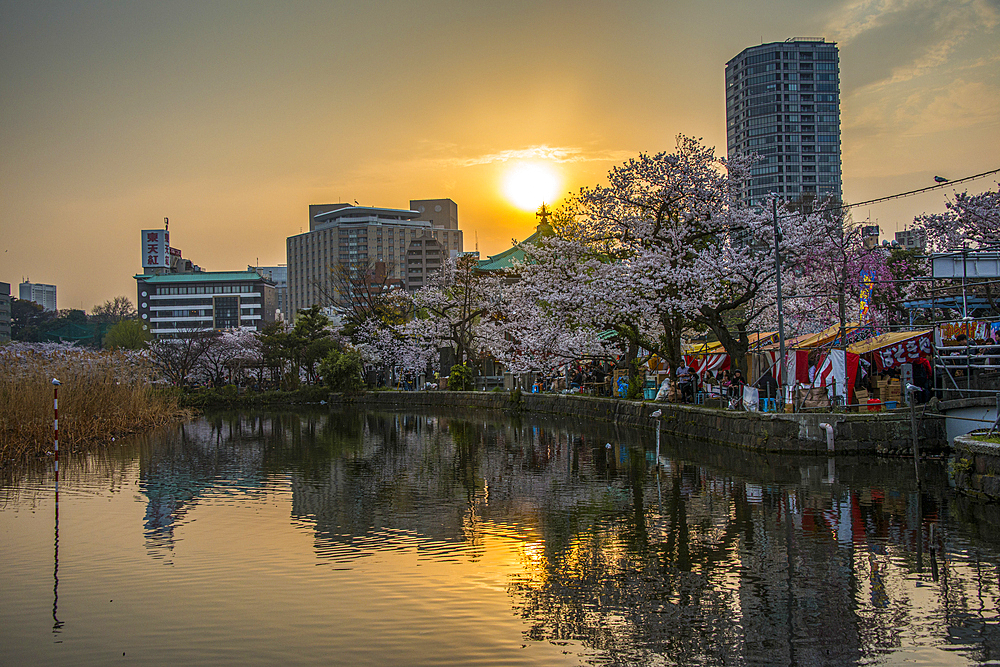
<point x="649" y="394"/>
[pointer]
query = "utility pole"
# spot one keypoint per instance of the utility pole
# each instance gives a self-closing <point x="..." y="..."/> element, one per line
<point x="777" y="273"/>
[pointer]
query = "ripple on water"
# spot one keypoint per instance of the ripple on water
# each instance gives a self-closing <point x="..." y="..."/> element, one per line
<point x="367" y="539"/>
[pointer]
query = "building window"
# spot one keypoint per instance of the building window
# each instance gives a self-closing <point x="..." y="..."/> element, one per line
<point x="227" y="312"/>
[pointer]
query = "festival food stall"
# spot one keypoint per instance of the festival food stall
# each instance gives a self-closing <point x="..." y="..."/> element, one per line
<point x="889" y="351"/>
<point x="814" y="371"/>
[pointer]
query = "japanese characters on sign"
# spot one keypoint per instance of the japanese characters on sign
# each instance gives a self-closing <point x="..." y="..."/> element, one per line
<point x="904" y="352"/>
<point x="155" y="249"/>
<point x="976" y="329"/>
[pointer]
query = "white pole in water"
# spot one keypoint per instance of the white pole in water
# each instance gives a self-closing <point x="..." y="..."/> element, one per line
<point x="911" y="391"/>
<point x="55" y="409"/>
<point x="55" y="572"/>
<point x="656" y="415"/>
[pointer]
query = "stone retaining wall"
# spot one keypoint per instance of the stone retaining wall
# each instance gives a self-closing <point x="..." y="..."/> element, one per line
<point x="975" y="467"/>
<point x="876" y="433"/>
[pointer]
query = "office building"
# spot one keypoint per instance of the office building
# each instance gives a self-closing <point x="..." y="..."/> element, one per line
<point x="347" y="242"/>
<point x="279" y="276"/>
<point x="177" y="304"/>
<point x="783" y="103"/>
<point x="177" y="298"/>
<point x="43" y="295"/>
<point x="4" y="312"/>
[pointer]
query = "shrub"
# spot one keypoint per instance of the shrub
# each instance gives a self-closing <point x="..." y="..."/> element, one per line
<point x="126" y="335"/>
<point x="460" y="378"/>
<point x="341" y="371"/>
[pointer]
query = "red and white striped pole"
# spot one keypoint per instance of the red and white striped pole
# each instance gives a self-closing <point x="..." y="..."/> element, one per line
<point x="55" y="409"/>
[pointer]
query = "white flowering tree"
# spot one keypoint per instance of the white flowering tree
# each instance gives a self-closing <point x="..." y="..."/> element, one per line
<point x="669" y="221"/>
<point x="406" y="348"/>
<point x="450" y="310"/>
<point x="972" y="220"/>
<point x="677" y="251"/>
<point x="230" y="353"/>
<point x="179" y="359"/>
<point x="555" y="310"/>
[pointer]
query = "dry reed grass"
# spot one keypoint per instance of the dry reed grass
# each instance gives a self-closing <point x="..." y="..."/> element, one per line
<point x="104" y="395"/>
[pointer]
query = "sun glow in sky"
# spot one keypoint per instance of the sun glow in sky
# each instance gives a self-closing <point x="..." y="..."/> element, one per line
<point x="530" y="184"/>
<point x="224" y="117"/>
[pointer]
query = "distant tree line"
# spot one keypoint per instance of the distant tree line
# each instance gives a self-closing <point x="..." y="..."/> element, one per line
<point x="112" y="324"/>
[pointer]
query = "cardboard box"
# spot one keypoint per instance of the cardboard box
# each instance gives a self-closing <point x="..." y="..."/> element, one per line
<point x="861" y="396"/>
<point x="815" y="397"/>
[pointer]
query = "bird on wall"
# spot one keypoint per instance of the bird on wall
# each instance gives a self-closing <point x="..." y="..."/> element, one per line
<point x="940" y="179"/>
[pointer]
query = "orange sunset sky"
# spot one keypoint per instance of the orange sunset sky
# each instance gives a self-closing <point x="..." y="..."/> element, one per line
<point x="230" y="118"/>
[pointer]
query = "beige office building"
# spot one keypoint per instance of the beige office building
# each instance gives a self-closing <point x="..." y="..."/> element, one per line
<point x="411" y="243"/>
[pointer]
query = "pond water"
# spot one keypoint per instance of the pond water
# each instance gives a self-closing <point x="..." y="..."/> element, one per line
<point x="353" y="538"/>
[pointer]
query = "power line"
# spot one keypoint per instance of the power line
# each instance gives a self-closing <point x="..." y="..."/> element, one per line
<point x="936" y="186"/>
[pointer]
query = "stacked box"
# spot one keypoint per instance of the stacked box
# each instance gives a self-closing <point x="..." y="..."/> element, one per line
<point x="892" y="391"/>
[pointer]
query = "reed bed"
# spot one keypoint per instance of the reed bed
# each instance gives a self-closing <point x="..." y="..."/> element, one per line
<point x="104" y="395"/>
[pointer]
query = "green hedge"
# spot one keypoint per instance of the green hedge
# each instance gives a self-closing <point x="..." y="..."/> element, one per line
<point x="229" y="396"/>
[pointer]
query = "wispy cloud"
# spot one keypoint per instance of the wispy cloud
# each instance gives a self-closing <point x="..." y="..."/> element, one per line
<point x="861" y="16"/>
<point x="906" y="39"/>
<point x="560" y="154"/>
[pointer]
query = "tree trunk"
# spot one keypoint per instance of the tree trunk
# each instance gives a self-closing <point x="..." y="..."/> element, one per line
<point x="737" y="348"/>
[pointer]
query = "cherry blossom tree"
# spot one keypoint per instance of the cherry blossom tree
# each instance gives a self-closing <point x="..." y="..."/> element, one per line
<point x="230" y="353"/>
<point x="450" y="309"/>
<point x="656" y="213"/>
<point x="556" y="309"/>
<point x="671" y="249"/>
<point x="826" y="282"/>
<point x="972" y="220"/>
<point x="689" y="253"/>
<point x="179" y="359"/>
<point x="406" y="347"/>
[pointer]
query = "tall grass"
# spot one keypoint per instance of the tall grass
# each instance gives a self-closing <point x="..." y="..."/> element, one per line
<point x="104" y="395"/>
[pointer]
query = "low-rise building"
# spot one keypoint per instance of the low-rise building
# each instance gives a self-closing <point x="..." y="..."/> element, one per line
<point x="176" y="304"/>
<point x="177" y="298"/>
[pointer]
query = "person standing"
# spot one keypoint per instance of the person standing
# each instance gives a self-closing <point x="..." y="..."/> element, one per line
<point x="685" y="379"/>
<point x="736" y="384"/>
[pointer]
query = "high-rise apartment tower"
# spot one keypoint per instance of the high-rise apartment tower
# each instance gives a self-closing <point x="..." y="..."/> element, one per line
<point x="783" y="103"/>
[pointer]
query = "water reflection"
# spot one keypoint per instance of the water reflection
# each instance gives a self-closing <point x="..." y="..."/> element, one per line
<point x="719" y="557"/>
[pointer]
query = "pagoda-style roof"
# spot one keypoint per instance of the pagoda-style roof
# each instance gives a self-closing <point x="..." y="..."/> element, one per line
<point x="514" y="255"/>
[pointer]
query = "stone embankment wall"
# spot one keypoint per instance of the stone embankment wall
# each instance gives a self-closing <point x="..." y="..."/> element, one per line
<point x="976" y="467"/>
<point x="874" y="433"/>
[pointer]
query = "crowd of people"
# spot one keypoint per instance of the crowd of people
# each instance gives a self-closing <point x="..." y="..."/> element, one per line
<point x="590" y="377"/>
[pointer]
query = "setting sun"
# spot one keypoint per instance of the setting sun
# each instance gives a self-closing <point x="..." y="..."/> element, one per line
<point x="529" y="184"/>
